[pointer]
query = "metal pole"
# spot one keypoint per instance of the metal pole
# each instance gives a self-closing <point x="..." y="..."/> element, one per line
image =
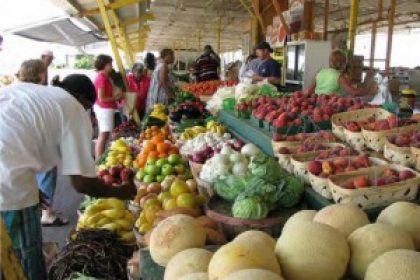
<point x="112" y="40"/>
<point x="326" y="18"/>
<point x="391" y="17"/>
<point x="219" y="33"/>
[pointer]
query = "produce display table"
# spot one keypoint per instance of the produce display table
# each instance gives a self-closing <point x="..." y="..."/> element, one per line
<point x="244" y="130"/>
<point x="317" y="202"/>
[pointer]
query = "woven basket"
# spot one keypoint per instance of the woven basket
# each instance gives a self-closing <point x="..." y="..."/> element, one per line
<point x="354" y="139"/>
<point x="204" y="188"/>
<point x="321" y="185"/>
<point x="338" y="120"/>
<point x="300" y="162"/>
<point x="287" y="144"/>
<point x="399" y="155"/>
<point x="375" y="140"/>
<point x="372" y="197"/>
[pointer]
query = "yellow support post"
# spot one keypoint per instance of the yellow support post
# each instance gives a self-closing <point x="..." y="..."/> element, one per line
<point x="112" y="40"/>
<point x="219" y="33"/>
<point x="326" y="19"/>
<point x="373" y="38"/>
<point x="391" y="17"/>
<point x="112" y="6"/>
<point x="354" y="11"/>
<point x="254" y="23"/>
<point x="126" y="44"/>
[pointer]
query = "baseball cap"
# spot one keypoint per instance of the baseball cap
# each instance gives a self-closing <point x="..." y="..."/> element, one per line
<point x="264" y="46"/>
<point x="48" y="53"/>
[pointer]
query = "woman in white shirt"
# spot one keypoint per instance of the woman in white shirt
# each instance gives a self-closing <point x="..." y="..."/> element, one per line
<point x="42" y="127"/>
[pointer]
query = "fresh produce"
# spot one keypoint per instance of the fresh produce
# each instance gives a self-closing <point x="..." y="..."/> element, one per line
<point x="155" y="131"/>
<point x="190" y="110"/>
<point x="87" y="201"/>
<point x="257" y="236"/>
<point x="245" y="91"/>
<point x="405" y="216"/>
<point x="206" y="88"/>
<point x="180" y="195"/>
<point x="119" y="154"/>
<point x="343" y="217"/>
<point x="407" y="139"/>
<point x="390" y="123"/>
<point x="211" y="126"/>
<point x="298" y="219"/>
<point x="173" y="235"/>
<point x="206" y="142"/>
<point x="157" y="151"/>
<point x="187" y="262"/>
<point x="230" y="187"/>
<point x="395" y="265"/>
<point x="116" y="175"/>
<point x="125" y="129"/>
<point x="266" y="168"/>
<point x="249" y="207"/>
<point x="252" y="274"/>
<point x="239" y="255"/>
<point x="325" y="168"/>
<point x="227" y="162"/>
<point x="95" y="253"/>
<point x="195" y="276"/>
<point x="312" y="251"/>
<point x="322" y="135"/>
<point x="379" y="179"/>
<point x="369" y="242"/>
<point x="215" y="103"/>
<point x="110" y="214"/>
<point x="150" y="121"/>
<point x="184" y="97"/>
<point x="159" y="112"/>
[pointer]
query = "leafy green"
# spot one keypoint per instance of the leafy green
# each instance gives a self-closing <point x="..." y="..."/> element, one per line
<point x="266" y="168"/>
<point x="291" y="193"/>
<point x="230" y="187"/>
<point x="269" y="193"/>
<point x="249" y="207"/>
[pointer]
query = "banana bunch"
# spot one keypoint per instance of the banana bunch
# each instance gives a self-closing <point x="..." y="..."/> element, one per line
<point x="192" y="132"/>
<point x="119" y="153"/>
<point x="110" y="214"/>
<point x="215" y="127"/>
<point x="159" y="112"/>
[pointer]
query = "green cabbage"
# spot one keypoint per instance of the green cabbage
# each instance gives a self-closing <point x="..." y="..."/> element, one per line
<point x="230" y="187"/>
<point x="249" y="207"/>
<point x="269" y="193"/>
<point x="266" y="168"/>
<point x="291" y="193"/>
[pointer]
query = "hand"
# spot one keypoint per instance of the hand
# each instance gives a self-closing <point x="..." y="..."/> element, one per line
<point x="128" y="191"/>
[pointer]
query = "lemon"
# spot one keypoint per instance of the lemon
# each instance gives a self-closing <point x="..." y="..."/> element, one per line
<point x="164" y="196"/>
<point x="152" y="202"/>
<point x="169" y="204"/>
<point x="150" y="213"/>
<point x="179" y="187"/>
<point x="186" y="200"/>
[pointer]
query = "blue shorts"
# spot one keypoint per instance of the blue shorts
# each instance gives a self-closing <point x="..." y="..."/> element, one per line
<point x="47" y="183"/>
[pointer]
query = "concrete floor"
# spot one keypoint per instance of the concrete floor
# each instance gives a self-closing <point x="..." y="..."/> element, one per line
<point x="66" y="202"/>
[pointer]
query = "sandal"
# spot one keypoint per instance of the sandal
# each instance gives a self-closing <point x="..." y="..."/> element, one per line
<point x="58" y="222"/>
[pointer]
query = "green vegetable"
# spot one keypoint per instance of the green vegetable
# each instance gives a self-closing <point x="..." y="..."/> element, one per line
<point x="249" y="207"/>
<point x="291" y="193"/>
<point x="266" y="168"/>
<point x="230" y="187"/>
<point x="86" y="202"/>
<point x="268" y="193"/>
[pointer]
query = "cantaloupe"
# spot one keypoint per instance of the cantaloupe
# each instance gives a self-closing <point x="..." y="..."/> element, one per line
<point x="343" y="217"/>
<point x="369" y="242"/>
<point x="403" y="215"/>
<point x="239" y="255"/>
<point x="299" y="218"/>
<point x="253" y="274"/>
<point x="395" y="265"/>
<point x="173" y="235"/>
<point x="257" y="236"/>
<point x="186" y="262"/>
<point x="312" y="251"/>
<point x="195" y="276"/>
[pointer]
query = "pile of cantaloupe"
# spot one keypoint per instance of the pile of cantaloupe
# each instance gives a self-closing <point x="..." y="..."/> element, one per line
<point x="333" y="243"/>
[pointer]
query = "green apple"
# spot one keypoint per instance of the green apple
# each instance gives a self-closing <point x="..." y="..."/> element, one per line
<point x="160" y="178"/>
<point x="161" y="162"/>
<point x="140" y="174"/>
<point x="167" y="169"/>
<point x="148" y="179"/>
<point x="152" y="170"/>
<point x="174" y="159"/>
<point x="151" y="161"/>
<point x="180" y="169"/>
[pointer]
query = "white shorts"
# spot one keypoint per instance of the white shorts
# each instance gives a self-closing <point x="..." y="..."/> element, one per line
<point x="105" y="118"/>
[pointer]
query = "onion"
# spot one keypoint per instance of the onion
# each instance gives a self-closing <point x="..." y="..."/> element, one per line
<point x="250" y="150"/>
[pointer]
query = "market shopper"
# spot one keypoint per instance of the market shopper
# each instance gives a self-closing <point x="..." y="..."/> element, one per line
<point x="207" y="65"/>
<point x="42" y="127"/>
<point x="268" y="69"/>
<point x="106" y="102"/>
<point x="248" y="68"/>
<point x="332" y="80"/>
<point x="139" y="83"/>
<point x="162" y="83"/>
<point x="150" y="63"/>
<point x="47" y="58"/>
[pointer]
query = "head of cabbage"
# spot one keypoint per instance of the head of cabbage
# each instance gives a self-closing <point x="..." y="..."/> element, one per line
<point x="230" y="187"/>
<point x="266" y="168"/>
<point x="249" y="207"/>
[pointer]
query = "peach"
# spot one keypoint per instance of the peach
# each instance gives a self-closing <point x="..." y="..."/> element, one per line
<point x="361" y="182"/>
<point x="406" y="174"/>
<point x="315" y="167"/>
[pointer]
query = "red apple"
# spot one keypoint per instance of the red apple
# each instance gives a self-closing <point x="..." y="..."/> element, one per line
<point x="361" y="181"/>
<point x="406" y="174"/>
<point x="315" y="167"/>
<point x="389" y="172"/>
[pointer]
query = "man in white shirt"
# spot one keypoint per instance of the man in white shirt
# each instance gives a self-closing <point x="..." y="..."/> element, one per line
<point x="42" y="127"/>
